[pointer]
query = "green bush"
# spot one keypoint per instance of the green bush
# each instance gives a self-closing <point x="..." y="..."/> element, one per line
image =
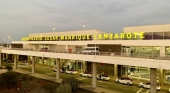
<point x="23" y="77"/>
<point x="73" y="82"/>
<point x="27" y="86"/>
<point x="8" y="79"/>
<point x="9" y="67"/>
<point x="64" y="88"/>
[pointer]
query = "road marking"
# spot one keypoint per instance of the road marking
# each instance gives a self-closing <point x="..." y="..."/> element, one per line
<point x="101" y="85"/>
<point x="100" y="81"/>
<point x="139" y="90"/>
<point x="147" y="91"/>
<point x="81" y="78"/>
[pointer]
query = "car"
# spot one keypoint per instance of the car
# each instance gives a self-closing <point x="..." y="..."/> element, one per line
<point x="43" y="49"/>
<point x="147" y="85"/>
<point x="24" y="63"/>
<point x="86" y="74"/>
<point x="71" y="71"/>
<point x="104" y="77"/>
<point x="55" y="70"/>
<point x="124" y="80"/>
<point x="169" y="90"/>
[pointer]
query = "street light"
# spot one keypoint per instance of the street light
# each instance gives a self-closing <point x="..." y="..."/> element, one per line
<point x="8" y="40"/>
<point x="4" y="42"/>
<point x="84" y="25"/>
<point x="95" y="42"/>
<point x="53" y="29"/>
<point x="39" y="40"/>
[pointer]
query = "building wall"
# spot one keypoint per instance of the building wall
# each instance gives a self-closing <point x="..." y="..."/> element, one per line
<point x="149" y="28"/>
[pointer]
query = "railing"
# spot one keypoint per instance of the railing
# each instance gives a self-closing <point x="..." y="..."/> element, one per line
<point x="115" y="54"/>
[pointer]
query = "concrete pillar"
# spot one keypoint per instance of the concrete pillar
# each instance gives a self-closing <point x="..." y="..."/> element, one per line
<point x="161" y="77"/>
<point x="58" y="68"/>
<point x="42" y="60"/>
<point x="1" y="58"/>
<point x="29" y="61"/>
<point x="33" y="64"/>
<point x="94" y="77"/>
<point x="76" y="64"/>
<point x="66" y="47"/>
<point x="115" y="70"/>
<point x="162" y="51"/>
<point x="84" y="66"/>
<point x="6" y="56"/>
<point x="15" y="62"/>
<point x="153" y="80"/>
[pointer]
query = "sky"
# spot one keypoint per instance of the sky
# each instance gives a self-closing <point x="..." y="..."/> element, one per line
<point x="18" y="18"/>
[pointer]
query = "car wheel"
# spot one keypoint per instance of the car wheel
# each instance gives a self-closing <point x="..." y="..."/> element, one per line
<point x="104" y="79"/>
<point x="117" y="82"/>
<point x="128" y="83"/>
<point x="142" y="86"/>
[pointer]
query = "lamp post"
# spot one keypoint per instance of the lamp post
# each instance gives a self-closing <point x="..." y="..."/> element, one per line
<point x="53" y="29"/>
<point x="8" y="40"/>
<point x="39" y="40"/>
<point x="84" y="25"/>
<point x="4" y="42"/>
<point x="95" y="42"/>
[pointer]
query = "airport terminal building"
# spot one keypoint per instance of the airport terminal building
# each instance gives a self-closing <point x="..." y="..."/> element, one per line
<point x="139" y="42"/>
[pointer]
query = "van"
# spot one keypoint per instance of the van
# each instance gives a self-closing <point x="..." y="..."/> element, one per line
<point x="90" y="50"/>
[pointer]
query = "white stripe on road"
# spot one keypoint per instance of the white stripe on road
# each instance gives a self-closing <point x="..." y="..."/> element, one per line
<point x="147" y="91"/>
<point x="139" y="90"/>
<point x="81" y="78"/>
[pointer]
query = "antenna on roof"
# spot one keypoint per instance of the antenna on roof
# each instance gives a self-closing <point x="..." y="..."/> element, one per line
<point x="84" y="25"/>
<point x="53" y="29"/>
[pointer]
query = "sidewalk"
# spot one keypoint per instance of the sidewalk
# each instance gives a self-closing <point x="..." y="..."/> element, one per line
<point x="86" y="87"/>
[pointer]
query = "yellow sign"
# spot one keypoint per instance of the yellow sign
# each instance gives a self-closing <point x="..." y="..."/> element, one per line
<point x="110" y="36"/>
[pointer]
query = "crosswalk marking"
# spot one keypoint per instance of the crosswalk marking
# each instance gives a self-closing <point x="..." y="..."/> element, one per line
<point x="139" y="90"/>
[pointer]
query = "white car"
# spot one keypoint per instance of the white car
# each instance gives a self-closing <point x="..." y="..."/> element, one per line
<point x="70" y="71"/>
<point x="147" y="85"/>
<point x="124" y="80"/>
<point x="86" y="74"/>
<point x="103" y="77"/>
<point x="24" y="63"/>
<point x="55" y="70"/>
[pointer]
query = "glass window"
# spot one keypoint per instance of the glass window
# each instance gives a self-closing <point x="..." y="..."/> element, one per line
<point x="167" y="35"/>
<point x="147" y="36"/>
<point x="158" y="35"/>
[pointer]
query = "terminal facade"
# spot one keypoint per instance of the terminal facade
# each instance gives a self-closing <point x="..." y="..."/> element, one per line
<point x="139" y="41"/>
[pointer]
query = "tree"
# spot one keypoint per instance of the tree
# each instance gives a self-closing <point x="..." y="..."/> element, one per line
<point x="8" y="79"/>
<point x="64" y="88"/>
<point x="73" y="82"/>
<point x="9" y="67"/>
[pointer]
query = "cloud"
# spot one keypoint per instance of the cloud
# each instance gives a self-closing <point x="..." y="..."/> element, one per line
<point x="19" y="18"/>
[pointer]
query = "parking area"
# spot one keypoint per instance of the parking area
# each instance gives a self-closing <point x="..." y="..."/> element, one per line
<point x="111" y="84"/>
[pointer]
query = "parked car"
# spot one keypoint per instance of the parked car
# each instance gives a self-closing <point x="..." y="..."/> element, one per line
<point x="71" y="71"/>
<point x="24" y="63"/>
<point x="55" y="70"/>
<point x="86" y="74"/>
<point x="43" y="49"/>
<point x="147" y="85"/>
<point x="103" y="77"/>
<point x="124" y="80"/>
<point x="5" y="59"/>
